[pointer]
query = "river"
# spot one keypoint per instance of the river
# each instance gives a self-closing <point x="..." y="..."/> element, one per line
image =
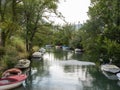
<point x="61" y="70"/>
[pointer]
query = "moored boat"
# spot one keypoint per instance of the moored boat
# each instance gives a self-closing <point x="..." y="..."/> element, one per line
<point x="65" y="48"/>
<point x="11" y="72"/>
<point x="58" y="47"/>
<point x="110" y="68"/>
<point x="78" y="50"/>
<point x="42" y="50"/>
<point x="37" y="55"/>
<point x="12" y="82"/>
<point x="23" y="63"/>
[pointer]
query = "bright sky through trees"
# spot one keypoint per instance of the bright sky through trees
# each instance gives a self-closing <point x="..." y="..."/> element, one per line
<point x="74" y="11"/>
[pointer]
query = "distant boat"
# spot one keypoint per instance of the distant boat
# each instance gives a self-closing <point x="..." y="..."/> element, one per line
<point x="110" y="68"/>
<point x="48" y="46"/>
<point x="58" y="47"/>
<point x="11" y="72"/>
<point x="118" y="75"/>
<point x="42" y="50"/>
<point x="12" y="82"/>
<point x="23" y="63"/>
<point x="77" y="50"/>
<point x="65" y="48"/>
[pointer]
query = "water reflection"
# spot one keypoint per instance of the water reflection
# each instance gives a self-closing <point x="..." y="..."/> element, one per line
<point x="60" y="71"/>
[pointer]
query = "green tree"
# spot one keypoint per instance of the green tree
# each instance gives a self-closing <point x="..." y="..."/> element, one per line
<point x="103" y="28"/>
<point x="34" y="17"/>
<point x="8" y="19"/>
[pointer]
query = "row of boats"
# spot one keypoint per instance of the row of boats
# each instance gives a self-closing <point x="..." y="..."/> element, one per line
<point x="111" y="71"/>
<point x="14" y="77"/>
<point x="66" y="48"/>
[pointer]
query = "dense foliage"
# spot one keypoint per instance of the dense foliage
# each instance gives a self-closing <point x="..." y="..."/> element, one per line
<point x="101" y="33"/>
<point x="22" y="23"/>
<point x="25" y="26"/>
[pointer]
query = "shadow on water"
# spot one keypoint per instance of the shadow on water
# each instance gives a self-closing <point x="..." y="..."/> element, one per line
<point x="66" y="71"/>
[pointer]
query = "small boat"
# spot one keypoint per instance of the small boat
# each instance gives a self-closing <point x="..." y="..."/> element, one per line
<point x="12" y="82"/>
<point x="110" y="68"/>
<point x="11" y="72"/>
<point x="42" y="50"/>
<point x="58" y="47"/>
<point x="77" y="50"/>
<point x="37" y="55"/>
<point x="65" y="48"/>
<point x="23" y="63"/>
<point x="48" y="46"/>
<point x="118" y="75"/>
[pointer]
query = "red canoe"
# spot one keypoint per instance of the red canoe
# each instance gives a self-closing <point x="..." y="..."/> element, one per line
<point x="12" y="71"/>
<point x="12" y="81"/>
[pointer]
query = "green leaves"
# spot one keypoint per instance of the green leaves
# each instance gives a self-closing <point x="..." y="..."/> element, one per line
<point x="102" y="32"/>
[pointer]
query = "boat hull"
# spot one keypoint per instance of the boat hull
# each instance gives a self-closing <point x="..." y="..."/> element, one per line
<point x="12" y="82"/>
<point x="37" y="55"/>
<point x="6" y="87"/>
<point x="110" y="68"/>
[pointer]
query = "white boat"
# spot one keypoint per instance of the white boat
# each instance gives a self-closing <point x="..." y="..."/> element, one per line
<point x="23" y="63"/>
<point x="65" y="48"/>
<point x="58" y="47"/>
<point x="77" y="50"/>
<point x="12" y="82"/>
<point x="118" y="75"/>
<point x="110" y="68"/>
<point x="37" y="55"/>
<point x="42" y="50"/>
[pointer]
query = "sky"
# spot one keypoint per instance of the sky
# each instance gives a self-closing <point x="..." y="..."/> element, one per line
<point x="74" y="11"/>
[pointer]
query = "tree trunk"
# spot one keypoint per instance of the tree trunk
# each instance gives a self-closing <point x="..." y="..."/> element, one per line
<point x="3" y="39"/>
<point x="13" y="10"/>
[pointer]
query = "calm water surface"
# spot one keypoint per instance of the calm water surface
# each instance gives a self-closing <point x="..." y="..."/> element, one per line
<point x="67" y="71"/>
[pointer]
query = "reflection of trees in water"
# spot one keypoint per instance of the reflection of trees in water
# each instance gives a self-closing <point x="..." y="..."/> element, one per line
<point x="93" y="57"/>
<point x="73" y="68"/>
<point x="77" y="56"/>
<point x="61" y="55"/>
<point x="41" y="71"/>
<point x="100" y="82"/>
<point x="90" y="76"/>
<point x="82" y="73"/>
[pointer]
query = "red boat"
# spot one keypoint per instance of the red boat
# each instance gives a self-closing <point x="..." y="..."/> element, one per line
<point x="12" y="81"/>
<point x="12" y="71"/>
